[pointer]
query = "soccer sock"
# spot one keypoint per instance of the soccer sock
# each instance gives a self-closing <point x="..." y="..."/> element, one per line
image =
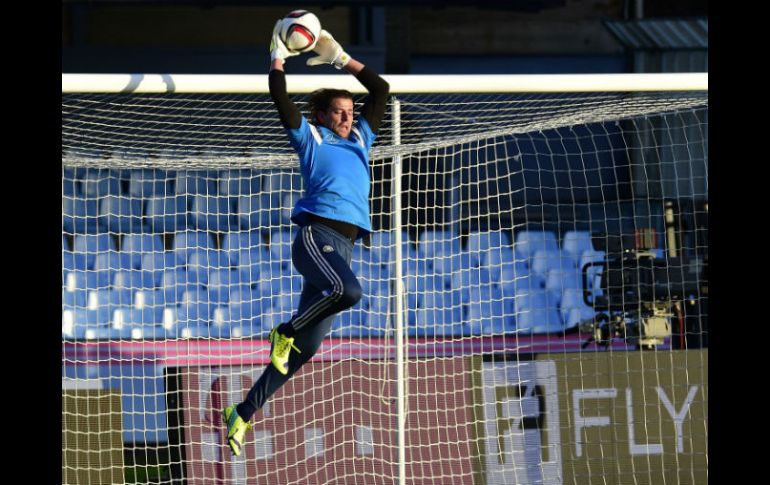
<point x="287" y="329"/>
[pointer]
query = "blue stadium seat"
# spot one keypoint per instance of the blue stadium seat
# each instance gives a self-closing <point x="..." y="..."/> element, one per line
<point x="65" y="243"/>
<point x="480" y="243"/>
<point x="213" y="213"/>
<point x="451" y="263"/>
<point x="243" y="241"/>
<point x="91" y="244"/>
<point x="156" y="263"/>
<point x="176" y="282"/>
<point x="280" y="245"/>
<point x="79" y="216"/>
<point x="137" y="245"/>
<point x="378" y="309"/>
<point x="508" y="272"/>
<point x="535" y="313"/>
<point x="155" y="300"/>
<point x="107" y="264"/>
<point x="195" y="182"/>
<point x="84" y="280"/>
<point x="100" y="182"/>
<point x="235" y="183"/>
<point x="280" y="182"/>
<point x="421" y="283"/>
<point x="73" y="299"/>
<point x="70" y="186"/>
<point x="495" y="257"/>
<point x="558" y="280"/>
<point x="203" y="262"/>
<point x="573" y="309"/>
<point x="574" y="243"/>
<point x="258" y="211"/>
<point x="187" y="242"/>
<point x="529" y="242"/>
<point x="374" y="279"/>
<point x="146" y="183"/>
<point x="544" y="261"/>
<point x="168" y="214"/>
<point x="439" y="314"/>
<point x="73" y="261"/>
<point x="134" y="279"/>
<point x="489" y="317"/>
<point x="288" y="201"/>
<point x="380" y="246"/>
<point x="221" y="283"/>
<point x="120" y="214"/>
<point x="250" y="263"/>
<point x="194" y="307"/>
<point x="436" y="243"/>
<point x="464" y="280"/>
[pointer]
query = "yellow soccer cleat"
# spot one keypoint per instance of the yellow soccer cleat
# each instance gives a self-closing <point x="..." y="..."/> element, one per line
<point x="236" y="429"/>
<point x="280" y="349"/>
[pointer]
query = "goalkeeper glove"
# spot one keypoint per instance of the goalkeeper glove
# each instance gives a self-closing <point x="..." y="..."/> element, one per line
<point x="329" y="52"/>
<point x="278" y="49"/>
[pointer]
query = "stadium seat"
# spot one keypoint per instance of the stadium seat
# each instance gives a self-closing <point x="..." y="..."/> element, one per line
<point x="464" y="280"/>
<point x="573" y="309"/>
<point x="203" y="261"/>
<point x="187" y="242"/>
<point x="574" y="243"/>
<point x="221" y="283"/>
<point x="288" y="201"/>
<point x="535" y="313"/>
<point x="495" y="257"/>
<point x="280" y="182"/>
<point x="157" y="263"/>
<point x="380" y="246"/>
<point x="235" y="242"/>
<point x="529" y="242"/>
<point x="134" y="279"/>
<point x="378" y="313"/>
<point x="73" y="299"/>
<point x="481" y="243"/>
<point x="195" y="182"/>
<point x="156" y="300"/>
<point x="91" y="244"/>
<point x="557" y="281"/>
<point x="106" y="264"/>
<point x="280" y="245"/>
<point x="545" y="260"/>
<point x="439" y="314"/>
<point x="235" y="183"/>
<point x="213" y="213"/>
<point x="145" y="183"/>
<point x="417" y="285"/>
<point x="120" y="214"/>
<point x="70" y="186"/>
<point x="176" y="282"/>
<point x="137" y="245"/>
<point x="100" y="182"/>
<point x="79" y="216"/>
<point x="250" y="263"/>
<point x="451" y="263"/>
<point x="168" y="214"/>
<point x="85" y="280"/>
<point x="258" y="211"/>
<point x="489" y="317"/>
<point x="437" y="243"/>
<point x="194" y="307"/>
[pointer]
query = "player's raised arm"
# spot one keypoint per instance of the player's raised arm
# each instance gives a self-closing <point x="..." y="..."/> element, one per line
<point x="290" y="115"/>
<point x="329" y="51"/>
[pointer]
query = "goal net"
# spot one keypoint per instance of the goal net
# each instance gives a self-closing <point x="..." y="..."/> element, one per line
<point x="535" y="289"/>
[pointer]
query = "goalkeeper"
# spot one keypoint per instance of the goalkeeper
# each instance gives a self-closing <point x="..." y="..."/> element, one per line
<point x="333" y="149"/>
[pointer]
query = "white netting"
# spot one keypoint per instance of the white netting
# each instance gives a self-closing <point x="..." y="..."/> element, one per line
<point x="176" y="264"/>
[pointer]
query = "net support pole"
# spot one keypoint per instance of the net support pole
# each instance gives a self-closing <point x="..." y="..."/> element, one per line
<point x="399" y="289"/>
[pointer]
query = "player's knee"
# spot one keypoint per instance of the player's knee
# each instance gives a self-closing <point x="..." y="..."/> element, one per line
<point x="351" y="294"/>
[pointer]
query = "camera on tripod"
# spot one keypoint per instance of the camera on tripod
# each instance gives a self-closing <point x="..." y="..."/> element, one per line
<point x="633" y="291"/>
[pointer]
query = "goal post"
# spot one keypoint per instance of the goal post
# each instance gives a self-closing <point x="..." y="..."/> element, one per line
<point x="535" y="289"/>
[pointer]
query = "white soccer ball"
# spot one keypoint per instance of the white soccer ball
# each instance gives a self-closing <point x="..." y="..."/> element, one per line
<point x="300" y="30"/>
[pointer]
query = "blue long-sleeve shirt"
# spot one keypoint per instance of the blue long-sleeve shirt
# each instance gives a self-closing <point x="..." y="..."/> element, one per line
<point x="335" y="170"/>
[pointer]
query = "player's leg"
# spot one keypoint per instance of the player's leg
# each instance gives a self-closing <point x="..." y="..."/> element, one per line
<point x="322" y="256"/>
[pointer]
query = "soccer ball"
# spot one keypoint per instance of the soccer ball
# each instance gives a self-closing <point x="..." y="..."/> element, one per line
<point x="300" y="30"/>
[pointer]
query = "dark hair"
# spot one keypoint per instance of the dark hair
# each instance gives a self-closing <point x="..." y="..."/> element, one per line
<point x="321" y="99"/>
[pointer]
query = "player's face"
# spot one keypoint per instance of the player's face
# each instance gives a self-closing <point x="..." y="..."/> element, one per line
<point x="339" y="116"/>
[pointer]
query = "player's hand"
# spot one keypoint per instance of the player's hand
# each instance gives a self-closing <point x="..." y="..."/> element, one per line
<point x="329" y="52"/>
<point x="278" y="49"/>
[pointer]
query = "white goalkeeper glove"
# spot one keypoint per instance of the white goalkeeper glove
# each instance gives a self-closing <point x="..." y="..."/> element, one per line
<point x="278" y="49"/>
<point x="329" y="52"/>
